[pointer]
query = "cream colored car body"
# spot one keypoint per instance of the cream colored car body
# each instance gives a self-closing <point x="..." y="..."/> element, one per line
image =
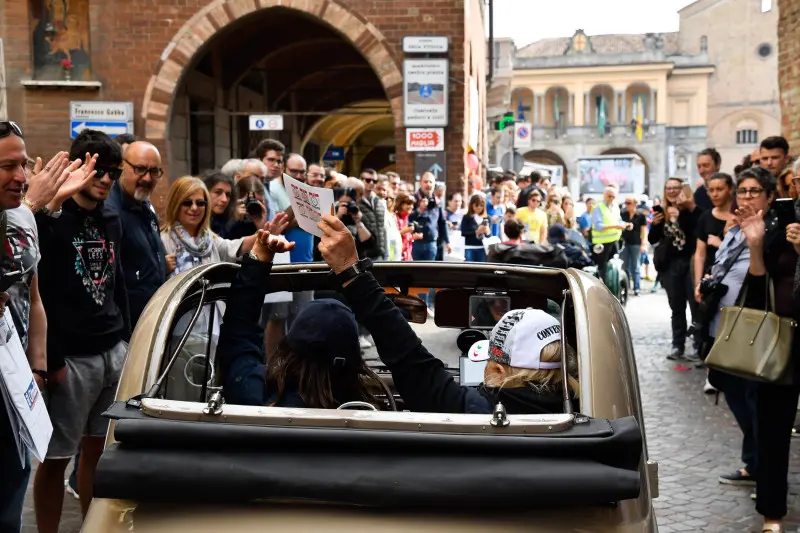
<point x="609" y="389"/>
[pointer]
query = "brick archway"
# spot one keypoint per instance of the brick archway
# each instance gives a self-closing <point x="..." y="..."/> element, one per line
<point x="177" y="57"/>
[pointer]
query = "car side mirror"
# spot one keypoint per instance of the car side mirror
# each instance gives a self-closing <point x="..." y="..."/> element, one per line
<point x="413" y="308"/>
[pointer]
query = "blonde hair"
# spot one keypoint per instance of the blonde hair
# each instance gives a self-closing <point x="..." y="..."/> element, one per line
<point x="543" y="381"/>
<point x="182" y="189"/>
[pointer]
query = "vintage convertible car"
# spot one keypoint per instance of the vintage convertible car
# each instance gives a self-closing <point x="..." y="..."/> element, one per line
<point x="178" y="458"/>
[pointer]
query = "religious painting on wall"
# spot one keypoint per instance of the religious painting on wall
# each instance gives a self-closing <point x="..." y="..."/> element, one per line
<point x="60" y="37"/>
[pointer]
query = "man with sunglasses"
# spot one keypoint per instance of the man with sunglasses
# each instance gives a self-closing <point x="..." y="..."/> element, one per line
<point x="83" y="292"/>
<point x="145" y="264"/>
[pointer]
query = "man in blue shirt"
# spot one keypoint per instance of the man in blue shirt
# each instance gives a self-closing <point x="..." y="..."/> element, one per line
<point x="495" y="210"/>
<point x="585" y="220"/>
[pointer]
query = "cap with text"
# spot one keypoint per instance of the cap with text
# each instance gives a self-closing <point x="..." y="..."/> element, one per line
<point x="518" y="340"/>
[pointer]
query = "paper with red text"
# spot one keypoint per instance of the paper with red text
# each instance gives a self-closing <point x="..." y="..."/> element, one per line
<point x="308" y="204"/>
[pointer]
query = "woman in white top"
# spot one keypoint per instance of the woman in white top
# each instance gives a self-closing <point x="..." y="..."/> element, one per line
<point x="186" y="232"/>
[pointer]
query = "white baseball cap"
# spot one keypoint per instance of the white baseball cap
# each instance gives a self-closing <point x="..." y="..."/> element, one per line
<point x="518" y="340"/>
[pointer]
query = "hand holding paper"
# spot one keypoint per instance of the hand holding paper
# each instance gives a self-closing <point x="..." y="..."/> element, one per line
<point x="309" y="204"/>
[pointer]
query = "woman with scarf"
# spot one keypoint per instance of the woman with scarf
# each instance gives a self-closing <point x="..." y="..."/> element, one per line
<point x="186" y="232"/>
<point x="674" y="231"/>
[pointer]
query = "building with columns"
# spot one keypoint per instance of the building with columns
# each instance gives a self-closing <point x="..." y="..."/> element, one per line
<point x="712" y="83"/>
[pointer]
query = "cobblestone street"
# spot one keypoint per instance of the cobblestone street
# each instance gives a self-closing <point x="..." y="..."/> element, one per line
<point x="692" y="439"/>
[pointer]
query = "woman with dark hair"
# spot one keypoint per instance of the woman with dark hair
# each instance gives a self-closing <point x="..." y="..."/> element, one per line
<point x="674" y="231"/>
<point x="772" y="261"/>
<point x="308" y="369"/>
<point x="712" y="225"/>
<point x="251" y="208"/>
<point x="222" y="194"/>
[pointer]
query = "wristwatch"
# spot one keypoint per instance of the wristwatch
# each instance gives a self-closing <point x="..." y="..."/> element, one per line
<point x="43" y="210"/>
<point x="353" y="271"/>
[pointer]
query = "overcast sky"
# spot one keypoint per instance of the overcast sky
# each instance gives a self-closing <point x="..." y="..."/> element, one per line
<point x="527" y="21"/>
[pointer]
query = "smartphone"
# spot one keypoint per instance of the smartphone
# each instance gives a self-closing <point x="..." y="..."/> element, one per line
<point x="658" y="209"/>
<point x="485" y="221"/>
<point x="784" y="208"/>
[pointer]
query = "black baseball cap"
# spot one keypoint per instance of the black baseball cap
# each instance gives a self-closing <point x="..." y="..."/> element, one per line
<point x="326" y="329"/>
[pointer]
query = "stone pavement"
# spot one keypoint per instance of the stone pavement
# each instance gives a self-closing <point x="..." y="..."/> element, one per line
<point x="692" y="439"/>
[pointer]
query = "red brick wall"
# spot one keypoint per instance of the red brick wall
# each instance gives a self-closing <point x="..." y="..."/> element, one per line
<point x="128" y="38"/>
<point x="789" y="70"/>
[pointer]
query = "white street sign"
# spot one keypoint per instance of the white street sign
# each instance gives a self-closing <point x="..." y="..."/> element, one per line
<point x="101" y="111"/>
<point x="266" y="122"/>
<point x="425" y="92"/>
<point x="112" y="118"/>
<point x="425" y="44"/>
<point x="522" y="135"/>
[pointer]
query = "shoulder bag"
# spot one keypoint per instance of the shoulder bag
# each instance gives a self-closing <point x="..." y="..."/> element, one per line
<point x="754" y="344"/>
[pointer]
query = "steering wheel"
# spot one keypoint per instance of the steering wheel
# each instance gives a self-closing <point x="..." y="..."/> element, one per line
<point x="358" y="406"/>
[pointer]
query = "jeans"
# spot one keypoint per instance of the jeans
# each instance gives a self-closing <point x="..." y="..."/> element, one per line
<point x="478" y="255"/>
<point x="423" y="251"/>
<point x="677" y="282"/>
<point x="630" y="258"/>
<point x="740" y="394"/>
<point x="14" y="478"/>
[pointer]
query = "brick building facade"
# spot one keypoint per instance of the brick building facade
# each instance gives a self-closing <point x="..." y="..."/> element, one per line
<point x="789" y="70"/>
<point x="184" y="65"/>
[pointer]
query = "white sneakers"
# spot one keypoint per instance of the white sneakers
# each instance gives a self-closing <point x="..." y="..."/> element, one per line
<point x="364" y="342"/>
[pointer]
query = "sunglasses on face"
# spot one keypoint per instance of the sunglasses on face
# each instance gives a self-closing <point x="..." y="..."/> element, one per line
<point x="190" y="203"/>
<point x="370" y="180"/>
<point x="7" y="127"/>
<point x="113" y="173"/>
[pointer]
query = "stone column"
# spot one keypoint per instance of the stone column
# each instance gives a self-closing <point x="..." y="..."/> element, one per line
<point x="619" y="101"/>
<point x="652" y="113"/>
<point x="569" y="110"/>
<point x="587" y="119"/>
<point x="535" y="106"/>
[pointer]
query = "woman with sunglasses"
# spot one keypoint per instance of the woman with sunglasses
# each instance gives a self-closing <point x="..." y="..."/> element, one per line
<point x="186" y="232"/>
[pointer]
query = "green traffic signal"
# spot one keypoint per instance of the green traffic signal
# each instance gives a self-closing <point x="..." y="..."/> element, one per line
<point x="506" y="121"/>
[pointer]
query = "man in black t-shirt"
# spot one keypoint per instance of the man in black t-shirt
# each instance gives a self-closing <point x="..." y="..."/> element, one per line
<point x="708" y="163"/>
<point x="635" y="240"/>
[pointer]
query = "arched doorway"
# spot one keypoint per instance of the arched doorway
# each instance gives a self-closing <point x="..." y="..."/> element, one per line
<point x="552" y="159"/>
<point x="306" y="62"/>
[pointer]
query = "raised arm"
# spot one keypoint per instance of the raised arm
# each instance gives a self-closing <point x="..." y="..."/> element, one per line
<point x="420" y="378"/>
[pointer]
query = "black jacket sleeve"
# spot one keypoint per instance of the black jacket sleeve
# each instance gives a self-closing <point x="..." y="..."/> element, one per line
<point x="469" y="227"/>
<point x="241" y="341"/>
<point x="420" y="378"/>
<point x="121" y="291"/>
<point x="47" y="283"/>
<point x="443" y="235"/>
<point x="656" y="233"/>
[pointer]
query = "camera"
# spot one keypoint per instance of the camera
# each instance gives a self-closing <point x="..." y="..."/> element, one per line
<point x="712" y="292"/>
<point x="416" y="226"/>
<point x="352" y="208"/>
<point x="252" y="207"/>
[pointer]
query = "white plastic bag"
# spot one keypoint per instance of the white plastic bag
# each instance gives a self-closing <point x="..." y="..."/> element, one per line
<point x="24" y="402"/>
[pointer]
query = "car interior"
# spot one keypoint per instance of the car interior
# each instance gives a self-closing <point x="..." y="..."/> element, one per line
<point x="357" y="457"/>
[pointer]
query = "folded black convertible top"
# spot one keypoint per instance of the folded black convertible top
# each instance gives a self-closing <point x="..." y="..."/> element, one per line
<point x="166" y="461"/>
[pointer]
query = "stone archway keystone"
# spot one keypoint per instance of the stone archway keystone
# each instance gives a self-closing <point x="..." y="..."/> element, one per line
<point x="208" y="21"/>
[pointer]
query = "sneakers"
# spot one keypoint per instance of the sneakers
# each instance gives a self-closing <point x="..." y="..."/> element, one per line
<point x="739" y="477"/>
<point x="692" y="358"/>
<point x="708" y="388"/>
<point x="675" y="355"/>
<point x="70" y="489"/>
<point x="364" y="343"/>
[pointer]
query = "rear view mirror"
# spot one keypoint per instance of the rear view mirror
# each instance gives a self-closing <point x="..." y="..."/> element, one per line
<point x="414" y="309"/>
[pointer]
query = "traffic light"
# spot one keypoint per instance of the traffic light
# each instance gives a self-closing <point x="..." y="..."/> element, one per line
<point x="506" y="121"/>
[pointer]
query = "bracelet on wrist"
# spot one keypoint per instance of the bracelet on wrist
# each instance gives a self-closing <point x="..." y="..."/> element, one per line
<point x="29" y="204"/>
